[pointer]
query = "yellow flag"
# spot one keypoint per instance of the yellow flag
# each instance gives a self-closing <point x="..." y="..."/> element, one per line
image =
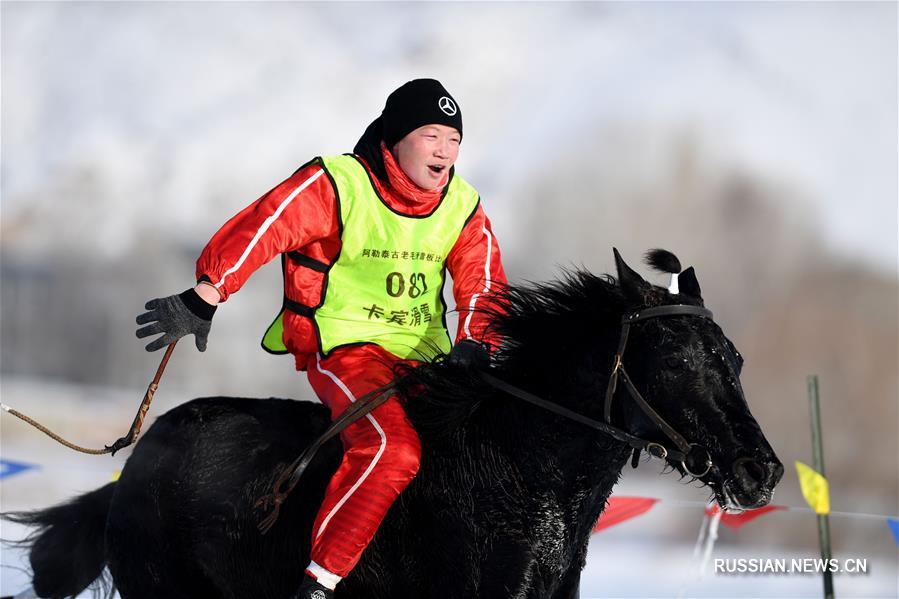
<point x="115" y="475"/>
<point x="814" y="488"/>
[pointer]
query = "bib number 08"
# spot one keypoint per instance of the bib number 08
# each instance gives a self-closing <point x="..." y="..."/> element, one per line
<point x="397" y="286"/>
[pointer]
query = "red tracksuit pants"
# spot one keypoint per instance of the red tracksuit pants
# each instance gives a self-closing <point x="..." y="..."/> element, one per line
<point x="381" y="456"/>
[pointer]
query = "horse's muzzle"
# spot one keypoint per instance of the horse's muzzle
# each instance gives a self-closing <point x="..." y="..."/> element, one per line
<point x="754" y="480"/>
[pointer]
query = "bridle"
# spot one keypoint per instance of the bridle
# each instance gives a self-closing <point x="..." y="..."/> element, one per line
<point x="684" y="447"/>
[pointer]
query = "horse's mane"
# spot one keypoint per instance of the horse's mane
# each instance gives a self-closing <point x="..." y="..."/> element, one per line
<point x="544" y="326"/>
<point x="539" y="315"/>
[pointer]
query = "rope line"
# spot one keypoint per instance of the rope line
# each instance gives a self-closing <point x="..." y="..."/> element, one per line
<point x="51" y="434"/>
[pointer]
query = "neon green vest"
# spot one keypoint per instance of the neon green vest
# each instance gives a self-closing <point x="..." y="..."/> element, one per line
<point x="386" y="285"/>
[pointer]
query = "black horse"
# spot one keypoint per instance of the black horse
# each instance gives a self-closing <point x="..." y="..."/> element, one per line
<point x="507" y="493"/>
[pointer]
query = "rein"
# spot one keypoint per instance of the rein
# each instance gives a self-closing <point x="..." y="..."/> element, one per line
<point x="289" y="477"/>
<point x="635" y="442"/>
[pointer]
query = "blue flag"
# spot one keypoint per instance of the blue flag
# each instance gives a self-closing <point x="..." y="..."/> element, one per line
<point x="894" y="528"/>
<point x="8" y="467"/>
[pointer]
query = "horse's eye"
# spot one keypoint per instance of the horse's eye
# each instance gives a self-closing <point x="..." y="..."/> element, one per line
<point x="674" y="363"/>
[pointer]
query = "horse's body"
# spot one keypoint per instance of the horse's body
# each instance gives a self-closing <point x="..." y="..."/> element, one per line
<point x="503" y="503"/>
<point x="502" y="520"/>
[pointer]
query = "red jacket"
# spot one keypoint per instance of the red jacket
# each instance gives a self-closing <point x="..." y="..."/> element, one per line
<point x="301" y="215"/>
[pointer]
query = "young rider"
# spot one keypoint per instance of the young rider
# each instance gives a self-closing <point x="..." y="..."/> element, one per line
<point x="366" y="240"/>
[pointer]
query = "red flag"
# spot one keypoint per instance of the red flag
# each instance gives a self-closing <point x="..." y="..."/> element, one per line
<point x="738" y="519"/>
<point x="623" y="508"/>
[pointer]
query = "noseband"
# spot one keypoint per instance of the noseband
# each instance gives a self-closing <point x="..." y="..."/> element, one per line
<point x="619" y="372"/>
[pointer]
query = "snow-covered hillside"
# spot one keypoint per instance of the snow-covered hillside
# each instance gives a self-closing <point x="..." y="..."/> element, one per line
<point x="161" y="119"/>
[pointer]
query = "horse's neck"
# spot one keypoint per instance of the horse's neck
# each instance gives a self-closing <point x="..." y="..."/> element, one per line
<point x="572" y="363"/>
<point x="538" y="452"/>
<point x="550" y="448"/>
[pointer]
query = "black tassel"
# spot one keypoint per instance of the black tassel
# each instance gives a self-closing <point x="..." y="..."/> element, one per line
<point x="662" y="261"/>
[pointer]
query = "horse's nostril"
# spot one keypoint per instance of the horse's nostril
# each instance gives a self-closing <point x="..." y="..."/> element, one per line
<point x="751" y="471"/>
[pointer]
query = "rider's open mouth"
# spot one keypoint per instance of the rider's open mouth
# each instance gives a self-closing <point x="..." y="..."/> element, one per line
<point x="436" y="168"/>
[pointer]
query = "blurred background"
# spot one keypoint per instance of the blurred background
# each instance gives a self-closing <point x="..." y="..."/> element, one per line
<point x="758" y="141"/>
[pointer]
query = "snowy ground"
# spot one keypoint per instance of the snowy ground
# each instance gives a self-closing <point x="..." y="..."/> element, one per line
<point x="647" y="556"/>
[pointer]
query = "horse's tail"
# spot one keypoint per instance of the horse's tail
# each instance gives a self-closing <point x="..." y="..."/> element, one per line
<point x="68" y="550"/>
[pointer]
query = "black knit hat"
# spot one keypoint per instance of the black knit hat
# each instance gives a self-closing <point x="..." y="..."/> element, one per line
<point x="417" y="103"/>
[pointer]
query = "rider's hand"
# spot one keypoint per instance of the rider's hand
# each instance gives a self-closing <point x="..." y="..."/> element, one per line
<point x="176" y="316"/>
<point x="468" y="353"/>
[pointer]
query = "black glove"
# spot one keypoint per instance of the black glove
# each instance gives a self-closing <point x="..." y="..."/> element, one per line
<point x="469" y="354"/>
<point x="176" y="316"/>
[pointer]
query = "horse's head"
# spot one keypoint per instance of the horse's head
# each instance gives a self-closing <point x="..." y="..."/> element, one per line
<point x="682" y="364"/>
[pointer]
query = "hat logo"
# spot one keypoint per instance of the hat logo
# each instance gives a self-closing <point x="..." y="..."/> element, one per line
<point x="447" y="105"/>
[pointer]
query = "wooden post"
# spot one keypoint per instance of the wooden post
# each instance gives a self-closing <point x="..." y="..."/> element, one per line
<point x="818" y="451"/>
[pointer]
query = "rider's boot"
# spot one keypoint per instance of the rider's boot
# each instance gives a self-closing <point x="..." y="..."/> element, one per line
<point x="312" y="589"/>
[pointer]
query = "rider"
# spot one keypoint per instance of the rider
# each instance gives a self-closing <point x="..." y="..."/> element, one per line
<point x="366" y="239"/>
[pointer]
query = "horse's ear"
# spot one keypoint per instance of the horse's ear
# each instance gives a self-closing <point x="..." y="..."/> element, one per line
<point x="688" y="285"/>
<point x="631" y="282"/>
